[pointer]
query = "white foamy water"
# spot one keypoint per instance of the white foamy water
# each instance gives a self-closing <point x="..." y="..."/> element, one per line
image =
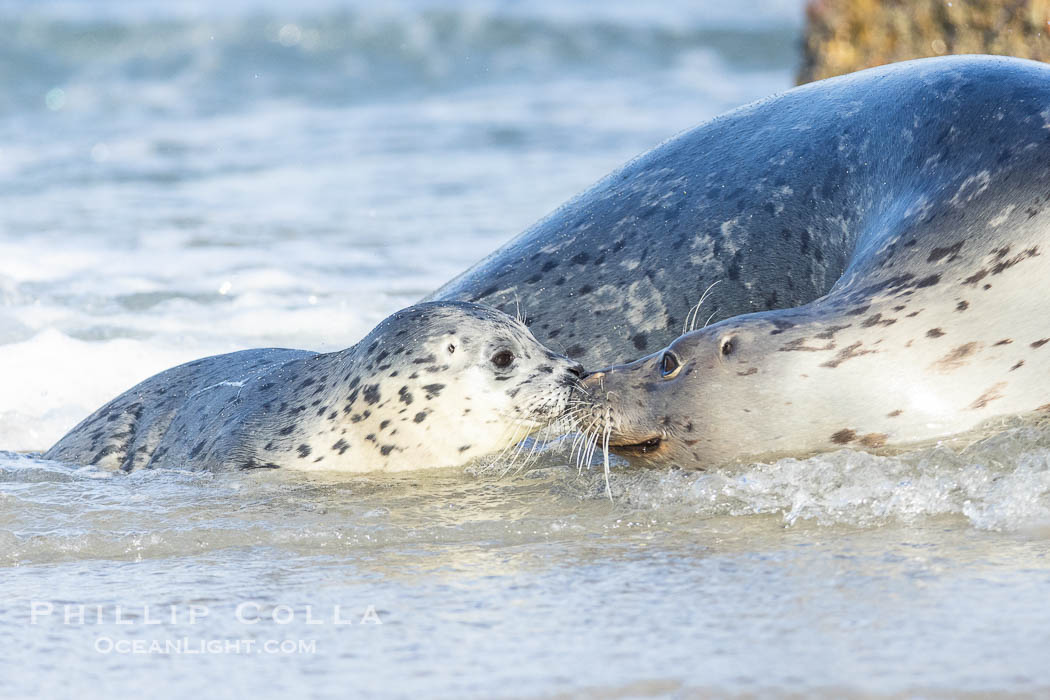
<point x="178" y="180"/>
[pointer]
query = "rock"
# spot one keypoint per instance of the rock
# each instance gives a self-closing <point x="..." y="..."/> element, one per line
<point x="847" y="35"/>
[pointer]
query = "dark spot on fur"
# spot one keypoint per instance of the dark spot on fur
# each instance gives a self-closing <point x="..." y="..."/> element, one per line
<point x="976" y="277"/>
<point x="950" y="252"/>
<point x="303" y="450"/>
<point x="1040" y="343"/>
<point x="962" y="306"/>
<point x="847" y="353"/>
<point x="988" y="396"/>
<point x="830" y="331"/>
<point x="956" y="358"/>
<point x="287" y="430"/>
<point x="640" y="341"/>
<point x="420" y="417"/>
<point x="934" y="333"/>
<point x="894" y="414"/>
<point x="877" y="320"/>
<point x="844" y="436"/>
<point x="575" y="350"/>
<point x="1003" y="265"/>
<point x="799" y="345"/>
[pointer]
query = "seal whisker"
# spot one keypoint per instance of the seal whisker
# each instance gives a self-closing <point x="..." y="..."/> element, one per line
<point x="582" y="443"/>
<point x="588" y="448"/>
<point x="577" y="443"/>
<point x="605" y="453"/>
<point x="519" y="441"/>
<point x="593" y="443"/>
<point x="690" y="318"/>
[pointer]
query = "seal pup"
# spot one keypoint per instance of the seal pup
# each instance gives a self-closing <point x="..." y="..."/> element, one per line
<point x="434" y="385"/>
<point x="936" y="320"/>
<point x="768" y="200"/>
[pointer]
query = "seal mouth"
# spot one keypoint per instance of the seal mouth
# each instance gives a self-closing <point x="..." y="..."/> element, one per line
<point x="638" y="448"/>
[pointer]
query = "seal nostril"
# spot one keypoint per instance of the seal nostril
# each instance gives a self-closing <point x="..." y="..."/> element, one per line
<point x="577" y="369"/>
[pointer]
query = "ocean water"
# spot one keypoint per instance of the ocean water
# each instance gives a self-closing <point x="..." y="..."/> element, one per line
<point x="183" y="179"/>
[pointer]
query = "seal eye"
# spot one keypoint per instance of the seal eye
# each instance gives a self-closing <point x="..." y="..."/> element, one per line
<point x="451" y="348"/>
<point x="503" y="359"/>
<point x="728" y="346"/>
<point x="669" y="365"/>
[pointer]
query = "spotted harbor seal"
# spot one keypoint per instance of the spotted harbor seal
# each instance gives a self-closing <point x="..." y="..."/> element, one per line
<point x="768" y="200"/>
<point x="907" y="209"/>
<point x="434" y="385"/>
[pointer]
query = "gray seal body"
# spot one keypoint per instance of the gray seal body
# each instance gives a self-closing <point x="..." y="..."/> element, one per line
<point x="434" y="385"/>
<point x="775" y="202"/>
<point x="901" y="216"/>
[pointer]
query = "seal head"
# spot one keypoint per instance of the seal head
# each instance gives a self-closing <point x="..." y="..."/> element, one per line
<point x="907" y="366"/>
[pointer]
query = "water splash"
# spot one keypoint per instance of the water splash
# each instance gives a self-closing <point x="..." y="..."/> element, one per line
<point x="1000" y="482"/>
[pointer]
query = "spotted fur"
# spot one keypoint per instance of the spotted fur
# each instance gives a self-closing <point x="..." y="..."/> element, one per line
<point x="909" y="245"/>
<point x="359" y="409"/>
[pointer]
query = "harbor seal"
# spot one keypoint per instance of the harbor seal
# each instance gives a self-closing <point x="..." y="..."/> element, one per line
<point x="434" y="385"/>
<point x="768" y="201"/>
<point x="919" y="195"/>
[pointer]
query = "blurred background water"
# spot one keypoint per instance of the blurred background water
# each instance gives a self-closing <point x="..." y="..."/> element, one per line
<point x="183" y="179"/>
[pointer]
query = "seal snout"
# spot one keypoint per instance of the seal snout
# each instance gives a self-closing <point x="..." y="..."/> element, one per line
<point x="573" y="374"/>
<point x="620" y="425"/>
<point x="591" y="379"/>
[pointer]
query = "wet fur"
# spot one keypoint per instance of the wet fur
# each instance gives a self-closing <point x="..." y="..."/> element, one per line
<point x="914" y="233"/>
<point x="418" y="391"/>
